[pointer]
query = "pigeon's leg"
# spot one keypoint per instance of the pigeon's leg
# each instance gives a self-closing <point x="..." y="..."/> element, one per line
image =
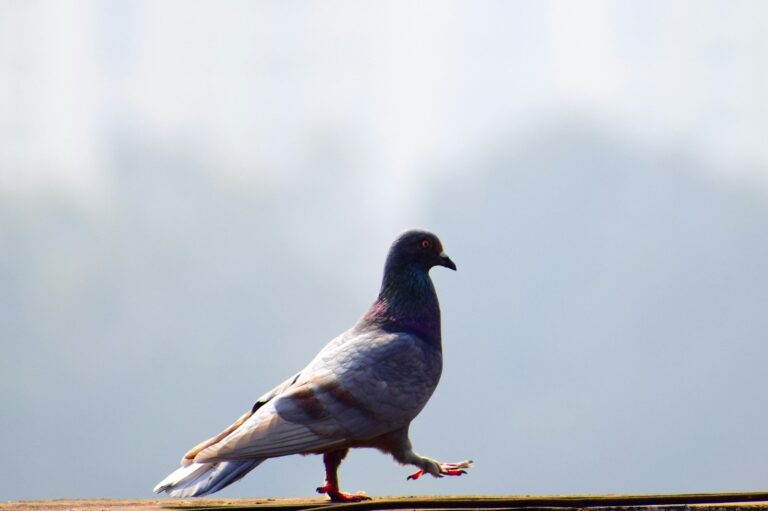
<point x="399" y="445"/>
<point x="332" y="461"/>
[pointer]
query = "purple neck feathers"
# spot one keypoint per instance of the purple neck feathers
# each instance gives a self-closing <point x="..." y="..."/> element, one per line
<point x="407" y="302"/>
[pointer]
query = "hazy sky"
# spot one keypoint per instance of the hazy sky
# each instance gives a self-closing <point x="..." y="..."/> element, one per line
<point x="399" y="89"/>
<point x="196" y="196"/>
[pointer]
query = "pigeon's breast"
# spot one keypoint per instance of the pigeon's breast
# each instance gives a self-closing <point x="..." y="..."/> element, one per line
<point x="392" y="376"/>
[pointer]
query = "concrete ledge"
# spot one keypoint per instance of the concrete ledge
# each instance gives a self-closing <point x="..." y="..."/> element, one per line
<point x="673" y="502"/>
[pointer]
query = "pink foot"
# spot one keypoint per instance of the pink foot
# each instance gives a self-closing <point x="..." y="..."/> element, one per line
<point x="339" y="496"/>
<point x="415" y="475"/>
<point x="446" y="469"/>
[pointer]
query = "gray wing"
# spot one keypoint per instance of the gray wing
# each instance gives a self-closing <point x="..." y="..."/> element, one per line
<point x="360" y="386"/>
<point x="192" y="453"/>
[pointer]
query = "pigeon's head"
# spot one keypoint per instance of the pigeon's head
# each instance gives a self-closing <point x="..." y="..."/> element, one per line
<point x="420" y="248"/>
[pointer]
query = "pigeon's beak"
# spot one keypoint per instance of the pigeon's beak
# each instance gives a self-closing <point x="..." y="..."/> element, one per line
<point x="446" y="261"/>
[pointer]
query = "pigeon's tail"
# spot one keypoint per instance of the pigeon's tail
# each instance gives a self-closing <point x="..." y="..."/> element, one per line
<point x="198" y="479"/>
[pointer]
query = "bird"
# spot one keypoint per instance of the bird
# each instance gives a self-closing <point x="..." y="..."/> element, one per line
<point x="362" y="390"/>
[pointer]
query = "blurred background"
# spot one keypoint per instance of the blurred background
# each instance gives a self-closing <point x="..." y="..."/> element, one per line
<point x="196" y="196"/>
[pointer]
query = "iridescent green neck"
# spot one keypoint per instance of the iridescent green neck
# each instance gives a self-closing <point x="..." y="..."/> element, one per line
<point x="407" y="302"/>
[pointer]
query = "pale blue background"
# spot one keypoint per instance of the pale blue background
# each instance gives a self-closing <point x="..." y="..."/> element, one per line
<point x="196" y="196"/>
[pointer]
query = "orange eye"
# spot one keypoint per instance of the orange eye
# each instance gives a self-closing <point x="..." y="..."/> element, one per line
<point x="425" y="243"/>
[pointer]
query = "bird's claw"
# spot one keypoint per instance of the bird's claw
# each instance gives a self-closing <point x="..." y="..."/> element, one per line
<point x="446" y="469"/>
<point x="339" y="496"/>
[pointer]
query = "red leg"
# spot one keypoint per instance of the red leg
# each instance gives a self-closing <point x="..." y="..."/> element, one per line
<point x="332" y="460"/>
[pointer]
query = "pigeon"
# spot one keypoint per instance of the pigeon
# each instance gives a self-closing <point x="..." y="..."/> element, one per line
<point x="362" y="389"/>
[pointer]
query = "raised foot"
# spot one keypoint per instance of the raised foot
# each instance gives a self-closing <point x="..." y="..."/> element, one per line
<point x="339" y="496"/>
<point x="446" y="469"/>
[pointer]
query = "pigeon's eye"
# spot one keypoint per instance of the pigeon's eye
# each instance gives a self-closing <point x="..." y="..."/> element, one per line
<point x="425" y="243"/>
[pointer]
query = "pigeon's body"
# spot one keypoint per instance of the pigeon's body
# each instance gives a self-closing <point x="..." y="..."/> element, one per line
<point x="362" y="390"/>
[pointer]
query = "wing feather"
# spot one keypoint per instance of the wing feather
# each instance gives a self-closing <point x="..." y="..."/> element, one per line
<point x="267" y="435"/>
<point x="351" y="391"/>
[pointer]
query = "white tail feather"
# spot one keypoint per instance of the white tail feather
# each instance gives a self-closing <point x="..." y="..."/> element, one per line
<point x="198" y="479"/>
